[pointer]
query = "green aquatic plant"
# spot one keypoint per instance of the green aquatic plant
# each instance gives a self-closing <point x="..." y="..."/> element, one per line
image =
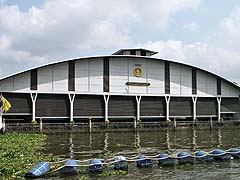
<point x="19" y="152"/>
<point x="187" y="167"/>
<point x="109" y="173"/>
<point x="118" y="145"/>
<point x="83" y="178"/>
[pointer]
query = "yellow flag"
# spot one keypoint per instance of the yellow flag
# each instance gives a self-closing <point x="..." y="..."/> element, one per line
<point x="5" y="105"/>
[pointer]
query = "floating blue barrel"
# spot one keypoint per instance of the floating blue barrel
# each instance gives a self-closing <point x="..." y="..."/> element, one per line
<point x="142" y="161"/>
<point x="219" y="154"/>
<point x="166" y="160"/>
<point x="184" y="158"/>
<point x="203" y="156"/>
<point x="69" y="168"/>
<point x="40" y="169"/>
<point x="235" y="152"/>
<point x="121" y="163"/>
<point x="95" y="165"/>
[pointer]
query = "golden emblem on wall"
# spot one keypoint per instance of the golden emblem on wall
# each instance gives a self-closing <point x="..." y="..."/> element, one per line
<point x="137" y="72"/>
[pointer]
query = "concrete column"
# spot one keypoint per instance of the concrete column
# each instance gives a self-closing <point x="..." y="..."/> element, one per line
<point x="41" y="124"/>
<point x="3" y="125"/>
<point x="135" y="123"/>
<point x="194" y="99"/>
<point x="71" y="99"/>
<point x="167" y="98"/>
<point x="138" y="99"/>
<point x="34" y="99"/>
<point x="210" y="123"/>
<point x="90" y="125"/>
<point x="174" y="124"/>
<point x="219" y="99"/>
<point x="106" y="100"/>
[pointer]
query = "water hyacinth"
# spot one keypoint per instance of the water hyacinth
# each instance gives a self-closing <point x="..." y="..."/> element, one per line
<point x="19" y="152"/>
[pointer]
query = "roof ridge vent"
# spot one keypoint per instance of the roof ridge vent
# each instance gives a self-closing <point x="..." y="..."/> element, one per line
<point x="135" y="52"/>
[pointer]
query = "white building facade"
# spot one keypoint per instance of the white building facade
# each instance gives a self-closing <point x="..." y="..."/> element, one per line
<point x="128" y="84"/>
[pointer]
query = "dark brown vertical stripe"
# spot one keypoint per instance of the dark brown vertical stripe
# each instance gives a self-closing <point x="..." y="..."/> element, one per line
<point x="143" y="53"/>
<point x="71" y="76"/>
<point x="167" y="78"/>
<point x="194" y="81"/>
<point x="106" y="74"/>
<point x="132" y="52"/>
<point x="34" y="79"/>
<point x="219" y="89"/>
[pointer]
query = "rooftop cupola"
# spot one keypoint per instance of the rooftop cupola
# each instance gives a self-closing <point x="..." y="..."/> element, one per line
<point x="135" y="52"/>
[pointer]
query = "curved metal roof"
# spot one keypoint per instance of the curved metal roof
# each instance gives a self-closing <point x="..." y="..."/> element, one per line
<point x="122" y="56"/>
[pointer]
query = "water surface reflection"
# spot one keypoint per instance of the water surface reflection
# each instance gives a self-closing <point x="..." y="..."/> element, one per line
<point x="151" y="142"/>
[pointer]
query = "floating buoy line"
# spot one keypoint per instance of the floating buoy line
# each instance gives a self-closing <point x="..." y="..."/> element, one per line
<point x="71" y="166"/>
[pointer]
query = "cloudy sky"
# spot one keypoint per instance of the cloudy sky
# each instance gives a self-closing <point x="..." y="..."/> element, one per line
<point x="198" y="32"/>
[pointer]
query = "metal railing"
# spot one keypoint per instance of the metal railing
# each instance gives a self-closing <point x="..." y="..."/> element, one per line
<point x="85" y="126"/>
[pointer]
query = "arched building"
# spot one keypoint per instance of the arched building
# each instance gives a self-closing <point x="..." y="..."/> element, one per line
<point x="128" y="84"/>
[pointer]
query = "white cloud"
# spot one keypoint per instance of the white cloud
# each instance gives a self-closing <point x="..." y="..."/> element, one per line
<point x="192" y="26"/>
<point x="60" y="28"/>
<point x="232" y="23"/>
<point x="62" y="25"/>
<point x="160" y="12"/>
<point x="217" y="60"/>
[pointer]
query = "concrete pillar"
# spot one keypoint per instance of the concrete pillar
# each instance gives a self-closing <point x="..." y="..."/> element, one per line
<point x="106" y="100"/>
<point x="174" y="124"/>
<point x="3" y="125"/>
<point x="194" y="99"/>
<point x="219" y="99"/>
<point x="41" y="124"/>
<point x="210" y="123"/>
<point x="90" y="125"/>
<point x="34" y="99"/>
<point x="71" y="99"/>
<point x="138" y="99"/>
<point x="167" y="98"/>
<point x="135" y="123"/>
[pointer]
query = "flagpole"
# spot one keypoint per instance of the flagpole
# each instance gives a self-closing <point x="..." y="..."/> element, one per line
<point x="1" y="124"/>
<point x="1" y="113"/>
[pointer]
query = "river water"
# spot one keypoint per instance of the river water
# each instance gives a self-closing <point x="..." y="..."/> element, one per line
<point x="105" y="145"/>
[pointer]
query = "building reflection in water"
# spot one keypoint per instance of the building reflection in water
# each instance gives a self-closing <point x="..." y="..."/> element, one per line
<point x="137" y="142"/>
<point x="90" y="144"/>
<point x="194" y="137"/>
<point x="105" y="149"/>
<point x="219" y="134"/>
<point x="71" y="145"/>
<point x="167" y="140"/>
